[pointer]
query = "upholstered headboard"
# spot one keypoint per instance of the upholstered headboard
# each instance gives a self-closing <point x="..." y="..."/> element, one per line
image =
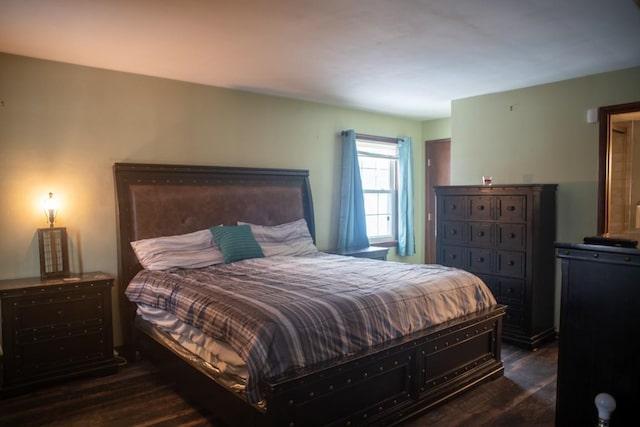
<point x="161" y="200"/>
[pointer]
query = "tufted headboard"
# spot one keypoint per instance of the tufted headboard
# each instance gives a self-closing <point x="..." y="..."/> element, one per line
<point x="161" y="200"/>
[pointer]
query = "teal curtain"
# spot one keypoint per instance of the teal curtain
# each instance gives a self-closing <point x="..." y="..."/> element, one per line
<point x="352" y="227"/>
<point x="406" y="238"/>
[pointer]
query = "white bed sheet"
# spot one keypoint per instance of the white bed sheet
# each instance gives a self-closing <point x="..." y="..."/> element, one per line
<point x="215" y="352"/>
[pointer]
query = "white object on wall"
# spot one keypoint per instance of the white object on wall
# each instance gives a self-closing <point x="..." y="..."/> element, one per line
<point x="592" y="115"/>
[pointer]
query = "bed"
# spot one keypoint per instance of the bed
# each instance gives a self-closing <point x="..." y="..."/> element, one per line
<point x="385" y="383"/>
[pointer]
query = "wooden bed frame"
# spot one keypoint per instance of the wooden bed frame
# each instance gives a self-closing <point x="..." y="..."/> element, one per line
<point x="384" y="385"/>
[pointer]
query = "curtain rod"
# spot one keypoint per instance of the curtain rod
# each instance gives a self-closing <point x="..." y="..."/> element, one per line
<point x="376" y="138"/>
<point x="373" y="137"/>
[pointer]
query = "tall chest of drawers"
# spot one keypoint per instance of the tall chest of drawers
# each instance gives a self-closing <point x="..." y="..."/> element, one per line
<point x="54" y="329"/>
<point x="505" y="235"/>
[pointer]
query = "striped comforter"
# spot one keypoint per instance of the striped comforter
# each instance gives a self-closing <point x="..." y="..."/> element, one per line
<point x="282" y="313"/>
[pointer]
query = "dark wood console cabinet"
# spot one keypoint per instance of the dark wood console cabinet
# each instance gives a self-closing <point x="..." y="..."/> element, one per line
<point x="599" y="325"/>
<point x="54" y="329"/>
<point x="505" y="235"/>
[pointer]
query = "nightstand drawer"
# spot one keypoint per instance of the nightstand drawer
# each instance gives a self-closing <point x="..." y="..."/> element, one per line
<point x="67" y="309"/>
<point x="51" y="334"/>
<point x="36" y="357"/>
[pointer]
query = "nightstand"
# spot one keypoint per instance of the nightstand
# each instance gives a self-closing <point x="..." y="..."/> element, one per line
<point x="54" y="329"/>
<point x="373" y="252"/>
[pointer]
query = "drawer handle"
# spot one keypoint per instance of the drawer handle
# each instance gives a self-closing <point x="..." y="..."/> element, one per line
<point x="480" y="259"/>
<point x="453" y="207"/>
<point x="511" y="263"/>
<point x="512" y="235"/>
<point x="509" y="290"/>
<point x="596" y="255"/>
<point x="511" y="208"/>
<point x="480" y="207"/>
<point x="60" y="312"/>
<point x="452" y="256"/>
<point x="480" y="233"/>
<point x="453" y="232"/>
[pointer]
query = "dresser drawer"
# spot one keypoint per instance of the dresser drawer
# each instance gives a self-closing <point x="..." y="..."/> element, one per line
<point x="480" y="233"/>
<point x="480" y="261"/>
<point x="453" y="232"/>
<point x="492" y="283"/>
<point x="510" y="263"/>
<point x="512" y="208"/>
<point x="481" y="207"/>
<point x="510" y="291"/>
<point x="511" y="236"/>
<point x="506" y="291"/>
<point x="452" y="256"/>
<point x="453" y="207"/>
<point x="513" y="320"/>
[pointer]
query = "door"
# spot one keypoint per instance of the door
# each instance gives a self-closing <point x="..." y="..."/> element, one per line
<point x="438" y="163"/>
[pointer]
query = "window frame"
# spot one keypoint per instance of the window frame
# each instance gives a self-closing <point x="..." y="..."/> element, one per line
<point x="387" y="240"/>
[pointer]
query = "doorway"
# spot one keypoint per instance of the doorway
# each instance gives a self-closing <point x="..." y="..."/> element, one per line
<point x="438" y="164"/>
<point x="619" y="169"/>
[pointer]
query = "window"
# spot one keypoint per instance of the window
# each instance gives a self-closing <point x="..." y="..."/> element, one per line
<point x="378" y="162"/>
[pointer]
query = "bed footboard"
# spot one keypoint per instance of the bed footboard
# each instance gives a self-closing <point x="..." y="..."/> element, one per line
<point x="385" y="386"/>
<point x="395" y="383"/>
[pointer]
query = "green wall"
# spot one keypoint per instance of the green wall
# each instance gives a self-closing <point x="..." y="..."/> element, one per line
<point x="62" y="127"/>
<point x="436" y="129"/>
<point x="540" y="134"/>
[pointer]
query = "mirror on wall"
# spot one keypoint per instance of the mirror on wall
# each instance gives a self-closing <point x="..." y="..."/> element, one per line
<point x="619" y="198"/>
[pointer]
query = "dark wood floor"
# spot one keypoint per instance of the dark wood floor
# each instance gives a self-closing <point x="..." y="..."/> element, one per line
<point x="136" y="396"/>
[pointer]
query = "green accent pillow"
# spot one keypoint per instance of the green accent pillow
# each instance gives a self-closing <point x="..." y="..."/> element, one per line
<point x="236" y="242"/>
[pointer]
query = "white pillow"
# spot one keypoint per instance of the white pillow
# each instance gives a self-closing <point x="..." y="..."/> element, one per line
<point x="292" y="238"/>
<point x="191" y="250"/>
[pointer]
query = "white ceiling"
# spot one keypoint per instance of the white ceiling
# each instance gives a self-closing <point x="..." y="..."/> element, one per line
<point x="402" y="57"/>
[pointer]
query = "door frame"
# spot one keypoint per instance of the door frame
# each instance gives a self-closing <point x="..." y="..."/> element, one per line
<point x="433" y="170"/>
<point x="604" y="119"/>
